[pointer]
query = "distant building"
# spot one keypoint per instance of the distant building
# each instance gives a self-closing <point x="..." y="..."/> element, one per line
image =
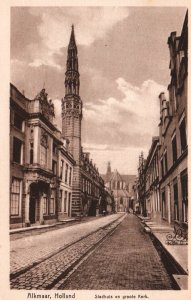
<point x="122" y="187"/>
<point x="92" y="186"/>
<point x="141" y="186"/>
<point x="152" y="193"/>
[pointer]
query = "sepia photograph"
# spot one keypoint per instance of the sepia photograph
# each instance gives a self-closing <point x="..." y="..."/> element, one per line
<point x="98" y="151"/>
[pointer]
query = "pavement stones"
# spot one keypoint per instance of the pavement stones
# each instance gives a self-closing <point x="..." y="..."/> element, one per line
<point x="27" y="251"/>
<point x="126" y="261"/>
<point x="48" y="272"/>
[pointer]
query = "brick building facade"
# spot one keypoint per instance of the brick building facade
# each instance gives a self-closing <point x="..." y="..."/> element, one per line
<point x="169" y="177"/>
<point x="36" y="152"/>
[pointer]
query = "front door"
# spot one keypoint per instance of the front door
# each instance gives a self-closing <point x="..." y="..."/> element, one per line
<point x="32" y="209"/>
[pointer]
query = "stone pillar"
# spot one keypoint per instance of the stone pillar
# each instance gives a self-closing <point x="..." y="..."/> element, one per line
<point x="27" y="202"/>
<point x="41" y="218"/>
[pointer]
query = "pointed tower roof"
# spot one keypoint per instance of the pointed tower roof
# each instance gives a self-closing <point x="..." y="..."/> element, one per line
<point x="72" y="43"/>
<point x="108" y="167"/>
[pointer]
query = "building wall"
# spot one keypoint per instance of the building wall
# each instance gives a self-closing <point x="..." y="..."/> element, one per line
<point x="92" y="187"/>
<point x="65" y="171"/>
<point x="176" y="114"/>
<point x="153" y="208"/>
<point x="34" y="176"/>
<point x="172" y="150"/>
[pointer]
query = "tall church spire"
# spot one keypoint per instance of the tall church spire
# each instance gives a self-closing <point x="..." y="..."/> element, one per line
<point x="72" y="82"/>
<point x="71" y="119"/>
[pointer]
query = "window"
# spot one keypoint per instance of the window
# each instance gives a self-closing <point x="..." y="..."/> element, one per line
<point x="165" y="163"/>
<point x="163" y="205"/>
<point x="43" y="155"/>
<point x="162" y="167"/>
<point x="184" y="187"/>
<point x="54" y="149"/>
<point x="175" y="189"/>
<point x="174" y="149"/>
<point x="43" y="150"/>
<point x="113" y="185"/>
<point x="65" y="201"/>
<point x="17" y="150"/>
<point x="70" y="176"/>
<point x="66" y="173"/>
<point x="60" y="201"/>
<point x="175" y="99"/>
<point x="31" y="153"/>
<point x="54" y="167"/>
<point x="15" y="196"/>
<point x="183" y="139"/>
<point x="52" y="202"/>
<point x="45" y="205"/>
<point x="61" y="168"/>
<point x="18" y="121"/>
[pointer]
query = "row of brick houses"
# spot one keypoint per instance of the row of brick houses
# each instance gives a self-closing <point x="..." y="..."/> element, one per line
<point x="51" y="178"/>
<point x="163" y="176"/>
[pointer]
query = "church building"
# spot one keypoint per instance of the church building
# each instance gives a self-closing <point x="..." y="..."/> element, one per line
<point x="122" y="187"/>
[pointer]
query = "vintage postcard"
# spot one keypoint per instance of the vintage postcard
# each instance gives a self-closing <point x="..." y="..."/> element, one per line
<point x="94" y="157"/>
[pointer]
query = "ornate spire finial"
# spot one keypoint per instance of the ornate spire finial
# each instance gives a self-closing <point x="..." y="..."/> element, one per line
<point x="72" y="82"/>
<point x="72" y="43"/>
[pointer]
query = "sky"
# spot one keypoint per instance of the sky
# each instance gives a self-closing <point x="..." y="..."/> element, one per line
<point x="123" y="63"/>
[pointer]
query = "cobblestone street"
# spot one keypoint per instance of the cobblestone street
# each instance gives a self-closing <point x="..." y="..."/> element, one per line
<point x="116" y="254"/>
<point x="45" y="274"/>
<point x="29" y="250"/>
<point x="127" y="260"/>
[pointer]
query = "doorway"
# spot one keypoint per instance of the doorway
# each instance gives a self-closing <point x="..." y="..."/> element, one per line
<point x="32" y="210"/>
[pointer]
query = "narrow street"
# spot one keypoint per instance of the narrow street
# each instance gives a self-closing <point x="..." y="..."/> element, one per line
<point x="128" y="260"/>
<point x="116" y="254"/>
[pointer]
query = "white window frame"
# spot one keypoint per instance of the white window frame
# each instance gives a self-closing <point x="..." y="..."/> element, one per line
<point x="52" y="200"/>
<point x="20" y="197"/>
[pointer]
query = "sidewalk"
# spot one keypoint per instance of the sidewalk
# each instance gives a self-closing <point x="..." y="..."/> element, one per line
<point x="38" y="229"/>
<point x="179" y="253"/>
<point x="30" y="250"/>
